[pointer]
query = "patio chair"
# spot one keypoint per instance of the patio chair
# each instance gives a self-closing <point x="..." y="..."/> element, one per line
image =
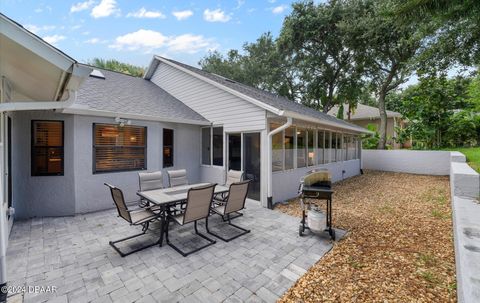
<point x="233" y="176"/>
<point x="141" y="217"/>
<point x="177" y="177"/>
<point x="199" y="201"/>
<point x="237" y="195"/>
<point x="149" y="181"/>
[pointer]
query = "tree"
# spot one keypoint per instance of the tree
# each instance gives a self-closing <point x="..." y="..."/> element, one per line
<point x="118" y="66"/>
<point x="261" y="65"/>
<point x="454" y="34"/>
<point x="390" y="49"/>
<point x="438" y="110"/>
<point x="319" y="40"/>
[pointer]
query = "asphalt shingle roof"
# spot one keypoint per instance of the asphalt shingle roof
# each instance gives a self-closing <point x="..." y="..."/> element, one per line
<point x="132" y="95"/>
<point x="268" y="98"/>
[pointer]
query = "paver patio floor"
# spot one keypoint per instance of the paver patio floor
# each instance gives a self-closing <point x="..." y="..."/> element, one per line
<point x="72" y="254"/>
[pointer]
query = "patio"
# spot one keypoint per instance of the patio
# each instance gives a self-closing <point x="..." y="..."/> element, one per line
<point x="72" y="253"/>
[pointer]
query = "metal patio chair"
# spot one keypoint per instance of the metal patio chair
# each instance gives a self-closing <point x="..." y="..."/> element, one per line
<point x="141" y="217"/>
<point x="149" y="181"/>
<point x="177" y="177"/>
<point x="199" y="201"/>
<point x="233" y="176"/>
<point x="237" y="195"/>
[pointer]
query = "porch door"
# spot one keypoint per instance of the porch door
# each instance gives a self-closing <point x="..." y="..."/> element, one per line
<point x="244" y="154"/>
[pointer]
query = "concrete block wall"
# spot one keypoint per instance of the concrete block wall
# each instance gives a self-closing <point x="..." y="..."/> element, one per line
<point x="423" y="162"/>
<point x="465" y="191"/>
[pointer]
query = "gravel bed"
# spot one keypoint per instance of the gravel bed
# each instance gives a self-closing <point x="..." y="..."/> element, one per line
<point x="399" y="246"/>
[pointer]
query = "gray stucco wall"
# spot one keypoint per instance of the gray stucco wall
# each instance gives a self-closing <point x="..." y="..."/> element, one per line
<point x="79" y="190"/>
<point x="285" y="184"/>
<point x="40" y="195"/>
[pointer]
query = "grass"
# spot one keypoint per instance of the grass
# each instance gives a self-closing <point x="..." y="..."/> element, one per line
<point x="472" y="154"/>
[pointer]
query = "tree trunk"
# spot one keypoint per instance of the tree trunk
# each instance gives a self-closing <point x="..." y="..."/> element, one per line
<point x="382" y="142"/>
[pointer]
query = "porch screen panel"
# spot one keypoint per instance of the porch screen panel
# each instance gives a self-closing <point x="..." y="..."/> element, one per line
<point x="47" y="148"/>
<point x="311" y="147"/>
<point x="277" y="149"/>
<point x="339" y="147"/>
<point x="301" y="148"/>
<point x="333" y="151"/>
<point x="119" y="148"/>
<point x="328" y="147"/>
<point x="289" y="143"/>
<point x="320" y="147"/>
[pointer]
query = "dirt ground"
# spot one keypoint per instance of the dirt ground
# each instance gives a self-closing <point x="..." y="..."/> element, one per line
<point x="399" y="246"/>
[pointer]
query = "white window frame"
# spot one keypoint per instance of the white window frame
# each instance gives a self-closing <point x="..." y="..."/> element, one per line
<point x="211" y="146"/>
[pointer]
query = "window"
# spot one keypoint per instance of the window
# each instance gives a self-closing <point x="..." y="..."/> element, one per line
<point x="119" y="148"/>
<point x="206" y="141"/>
<point x="47" y="148"/>
<point x="277" y="149"/>
<point x="212" y="146"/>
<point x="320" y="147"/>
<point x="218" y="146"/>
<point x="311" y="147"/>
<point x="289" y="143"/>
<point x="167" y="147"/>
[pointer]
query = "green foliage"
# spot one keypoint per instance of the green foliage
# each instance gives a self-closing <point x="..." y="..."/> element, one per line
<point x="440" y="112"/>
<point x="261" y="65"/>
<point x="118" y="66"/>
<point x="341" y="110"/>
<point x="453" y="31"/>
<point x="320" y="40"/>
<point x="462" y="129"/>
<point x="371" y="141"/>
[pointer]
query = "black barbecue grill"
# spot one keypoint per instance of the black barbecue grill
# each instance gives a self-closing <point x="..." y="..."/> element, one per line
<point x="316" y="185"/>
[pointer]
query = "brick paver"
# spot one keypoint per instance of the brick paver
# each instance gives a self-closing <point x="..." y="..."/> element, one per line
<point x="72" y="254"/>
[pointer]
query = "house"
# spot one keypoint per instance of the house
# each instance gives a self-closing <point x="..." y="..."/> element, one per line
<point x="66" y="128"/>
<point x="364" y="115"/>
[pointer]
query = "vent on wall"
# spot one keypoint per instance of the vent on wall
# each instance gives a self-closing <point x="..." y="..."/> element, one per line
<point x="97" y="74"/>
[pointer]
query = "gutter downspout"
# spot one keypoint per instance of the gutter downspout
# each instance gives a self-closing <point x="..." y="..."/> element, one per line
<point x="269" y="160"/>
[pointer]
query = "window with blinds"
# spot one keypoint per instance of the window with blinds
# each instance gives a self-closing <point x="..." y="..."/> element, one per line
<point x="47" y="148"/>
<point x="119" y="148"/>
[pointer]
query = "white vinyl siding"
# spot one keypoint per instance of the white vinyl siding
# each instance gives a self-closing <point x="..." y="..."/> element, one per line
<point x="216" y="105"/>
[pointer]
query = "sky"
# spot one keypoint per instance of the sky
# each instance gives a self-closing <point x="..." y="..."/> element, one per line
<point x="133" y="31"/>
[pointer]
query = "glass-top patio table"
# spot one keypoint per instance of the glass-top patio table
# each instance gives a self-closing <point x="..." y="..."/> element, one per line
<point x="167" y="197"/>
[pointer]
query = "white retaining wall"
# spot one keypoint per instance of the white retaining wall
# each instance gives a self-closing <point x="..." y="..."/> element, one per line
<point x="465" y="191"/>
<point x="407" y="161"/>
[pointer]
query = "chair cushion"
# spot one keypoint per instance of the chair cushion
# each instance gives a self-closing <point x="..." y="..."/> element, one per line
<point x="234" y="176"/>
<point x="177" y="177"/>
<point x="142" y="216"/>
<point x="150" y="181"/>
